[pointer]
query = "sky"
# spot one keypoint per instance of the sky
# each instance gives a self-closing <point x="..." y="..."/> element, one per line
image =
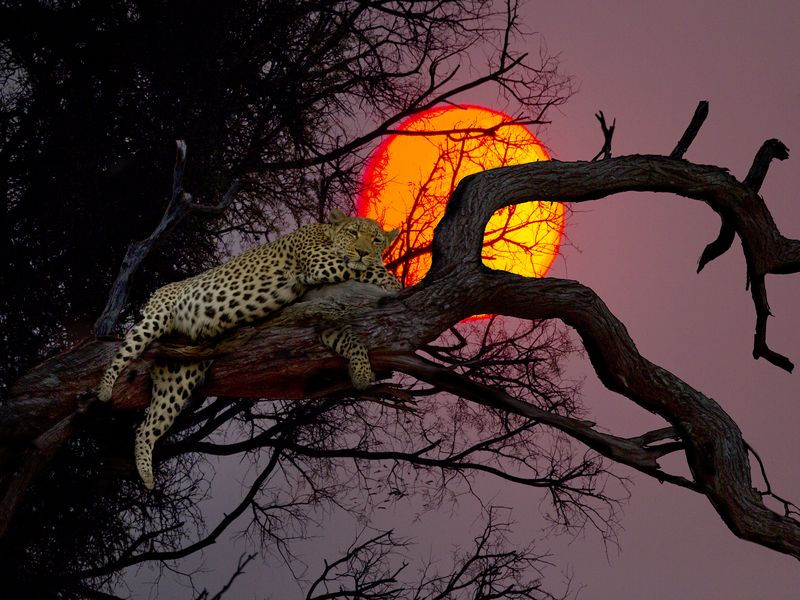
<point x="647" y="64"/>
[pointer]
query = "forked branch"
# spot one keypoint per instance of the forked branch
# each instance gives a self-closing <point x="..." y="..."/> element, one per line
<point x="608" y="134"/>
<point x="180" y="205"/>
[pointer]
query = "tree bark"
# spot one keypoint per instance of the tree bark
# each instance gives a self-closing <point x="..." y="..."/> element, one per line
<point x="284" y="359"/>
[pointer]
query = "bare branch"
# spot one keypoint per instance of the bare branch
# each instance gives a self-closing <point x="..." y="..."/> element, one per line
<point x="700" y="114"/>
<point x="244" y="559"/>
<point x="714" y="447"/>
<point x="631" y="452"/>
<point x="789" y="508"/>
<point x="128" y="559"/>
<point x="771" y="149"/>
<point x="608" y="133"/>
<point x="719" y="246"/>
<point x="365" y="566"/>
<point x="180" y="205"/>
<point x="758" y="290"/>
<point x="766" y="250"/>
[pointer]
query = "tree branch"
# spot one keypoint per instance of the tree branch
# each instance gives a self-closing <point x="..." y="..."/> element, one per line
<point x="608" y="133"/>
<point x="766" y="250"/>
<point x="128" y="559"/>
<point x="699" y="117"/>
<point x="632" y="452"/>
<point x="180" y="205"/>
<point x="716" y="453"/>
<point x="769" y="150"/>
<point x="244" y="559"/>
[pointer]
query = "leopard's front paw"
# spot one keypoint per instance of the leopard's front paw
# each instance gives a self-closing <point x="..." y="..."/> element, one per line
<point x="392" y="285"/>
<point x="103" y="392"/>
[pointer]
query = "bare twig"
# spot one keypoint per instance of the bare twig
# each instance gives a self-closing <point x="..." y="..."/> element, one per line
<point x="608" y="133"/>
<point x="789" y="508"/>
<point x="244" y="559"/>
<point x="719" y="246"/>
<point x="758" y="290"/>
<point x="127" y="559"/>
<point x="700" y="114"/>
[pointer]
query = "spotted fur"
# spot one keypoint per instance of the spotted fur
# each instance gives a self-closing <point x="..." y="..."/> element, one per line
<point x="243" y="290"/>
<point x="345" y="343"/>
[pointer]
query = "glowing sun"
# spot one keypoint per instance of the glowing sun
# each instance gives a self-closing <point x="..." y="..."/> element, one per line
<point x="411" y="175"/>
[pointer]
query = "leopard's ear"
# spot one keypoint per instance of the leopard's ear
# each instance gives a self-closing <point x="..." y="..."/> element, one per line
<point x="337" y="217"/>
<point x="390" y="235"/>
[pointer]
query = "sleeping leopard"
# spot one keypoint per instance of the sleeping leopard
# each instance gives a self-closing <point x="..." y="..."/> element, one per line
<point x="245" y="289"/>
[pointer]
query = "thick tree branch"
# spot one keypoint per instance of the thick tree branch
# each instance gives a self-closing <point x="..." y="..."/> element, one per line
<point x="715" y="450"/>
<point x="766" y="250"/>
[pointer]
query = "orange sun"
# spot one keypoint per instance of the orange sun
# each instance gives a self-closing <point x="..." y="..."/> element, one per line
<point x="410" y="177"/>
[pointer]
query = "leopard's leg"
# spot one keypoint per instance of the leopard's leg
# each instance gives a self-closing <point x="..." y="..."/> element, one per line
<point x="328" y="266"/>
<point x="136" y="340"/>
<point x="173" y="384"/>
<point x="377" y="274"/>
<point x="344" y="342"/>
<point x="331" y="267"/>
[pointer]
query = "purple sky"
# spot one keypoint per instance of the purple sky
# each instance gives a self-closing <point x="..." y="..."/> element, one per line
<point x="647" y="64"/>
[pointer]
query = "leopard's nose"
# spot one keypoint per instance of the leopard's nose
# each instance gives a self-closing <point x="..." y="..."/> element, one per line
<point x="362" y="253"/>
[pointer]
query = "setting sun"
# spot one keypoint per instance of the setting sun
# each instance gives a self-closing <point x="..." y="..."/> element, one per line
<point x="410" y="177"/>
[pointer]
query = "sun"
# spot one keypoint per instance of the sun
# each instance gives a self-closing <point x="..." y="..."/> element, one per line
<point x="410" y="176"/>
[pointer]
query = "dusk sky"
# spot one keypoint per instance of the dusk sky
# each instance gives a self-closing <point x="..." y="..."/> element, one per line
<point x="647" y="64"/>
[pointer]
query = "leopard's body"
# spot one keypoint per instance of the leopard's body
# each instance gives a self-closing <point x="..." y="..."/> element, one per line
<point x="243" y="290"/>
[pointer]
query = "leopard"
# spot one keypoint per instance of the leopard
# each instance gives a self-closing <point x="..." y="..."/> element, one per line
<point x="248" y="288"/>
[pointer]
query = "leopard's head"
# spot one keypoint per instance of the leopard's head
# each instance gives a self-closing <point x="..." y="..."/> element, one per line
<point x="360" y="238"/>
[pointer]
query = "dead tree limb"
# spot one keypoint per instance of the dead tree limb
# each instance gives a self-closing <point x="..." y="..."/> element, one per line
<point x="699" y="117"/>
<point x="180" y="205"/>
<point x="771" y="149"/>
<point x="608" y="134"/>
